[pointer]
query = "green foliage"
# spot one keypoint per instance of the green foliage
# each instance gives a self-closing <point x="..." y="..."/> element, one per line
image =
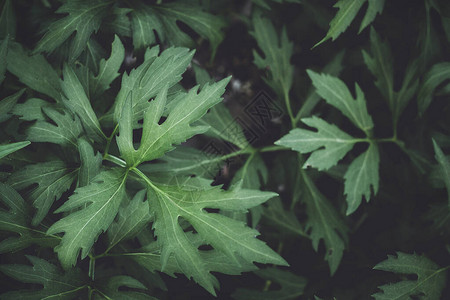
<point x="430" y="278"/>
<point x="134" y="142"/>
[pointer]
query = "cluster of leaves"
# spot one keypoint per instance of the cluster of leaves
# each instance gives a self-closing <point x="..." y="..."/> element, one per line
<point x="105" y="189"/>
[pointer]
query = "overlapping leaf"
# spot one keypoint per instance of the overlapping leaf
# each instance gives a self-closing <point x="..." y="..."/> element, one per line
<point x="158" y="139"/>
<point x="163" y="19"/>
<point x="16" y="220"/>
<point x="347" y="13"/>
<point x="122" y="287"/>
<point x="91" y="163"/>
<point x="430" y="278"/>
<point x="84" y="17"/>
<point x="150" y="78"/>
<point x="433" y="78"/>
<point x="237" y="242"/>
<point x="12" y="147"/>
<point x="99" y="202"/>
<point x="52" y="179"/>
<point x="65" y="132"/>
<point x="55" y="283"/>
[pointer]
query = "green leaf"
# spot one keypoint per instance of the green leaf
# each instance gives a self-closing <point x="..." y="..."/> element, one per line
<point x="53" y="178"/>
<point x="335" y="143"/>
<point x="150" y="78"/>
<point x="381" y="66"/>
<point x="7" y="104"/>
<point x="76" y="100"/>
<point x="121" y="287"/>
<point x="66" y="131"/>
<point x="347" y="13"/>
<point x="158" y="139"/>
<point x="33" y="71"/>
<point x="163" y="19"/>
<point x="433" y="78"/>
<point x="277" y="52"/>
<point x="108" y="70"/>
<point x="91" y="163"/>
<point x="284" y="220"/>
<point x="99" y="202"/>
<point x="336" y="93"/>
<point x="13" y="147"/>
<point x="292" y="286"/>
<point x="132" y="217"/>
<point x="229" y="236"/>
<point x="430" y="279"/>
<point x="362" y="174"/>
<point x="56" y="285"/>
<point x="31" y="109"/>
<point x="375" y="7"/>
<point x="7" y="21"/>
<point x="185" y="161"/>
<point x="16" y="220"/>
<point x="444" y="165"/>
<point x="84" y="17"/>
<point x="324" y="223"/>
<point x="3" y="62"/>
<point x="223" y="126"/>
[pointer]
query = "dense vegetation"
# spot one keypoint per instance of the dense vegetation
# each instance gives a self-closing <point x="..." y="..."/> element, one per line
<point x="193" y="149"/>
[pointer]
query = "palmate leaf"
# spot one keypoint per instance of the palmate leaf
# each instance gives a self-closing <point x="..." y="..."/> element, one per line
<point x="99" y="202"/>
<point x="150" y="78"/>
<point x="66" y="131"/>
<point x="16" y="220"/>
<point x="84" y="17"/>
<point x="53" y="178"/>
<point x="163" y="19"/>
<point x="346" y="14"/>
<point x="430" y="279"/>
<point x="362" y="173"/>
<point x="158" y="139"/>
<point x="231" y="237"/>
<point x="336" y="143"/>
<point x="292" y="286"/>
<point x="324" y="222"/>
<point x="56" y="284"/>
<point x="277" y="54"/>
<point x="336" y="93"/>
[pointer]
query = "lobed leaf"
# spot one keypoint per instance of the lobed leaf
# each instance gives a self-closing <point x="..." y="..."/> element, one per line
<point x="335" y="143"/>
<point x="52" y="178"/>
<point x="55" y="284"/>
<point x="84" y="17"/>
<point x="336" y="93"/>
<point x="226" y="235"/>
<point x="430" y="279"/>
<point x="362" y="174"/>
<point x="99" y="203"/>
<point x="13" y="147"/>
<point x="158" y="139"/>
<point x="438" y="73"/>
